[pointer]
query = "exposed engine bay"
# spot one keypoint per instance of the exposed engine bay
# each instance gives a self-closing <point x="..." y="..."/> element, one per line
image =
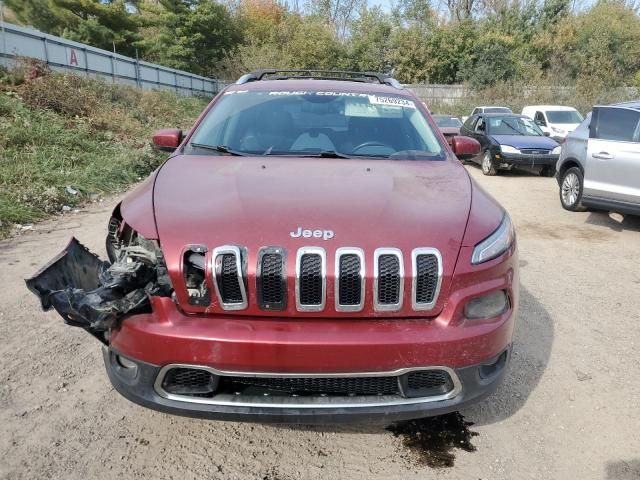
<point x="94" y="294"/>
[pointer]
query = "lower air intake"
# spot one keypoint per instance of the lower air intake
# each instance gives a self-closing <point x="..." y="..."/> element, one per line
<point x="190" y="381"/>
<point x="330" y="386"/>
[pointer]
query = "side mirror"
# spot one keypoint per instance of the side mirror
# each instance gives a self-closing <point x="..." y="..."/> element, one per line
<point x="465" y="147"/>
<point x="167" y="139"/>
<point x="546" y="134"/>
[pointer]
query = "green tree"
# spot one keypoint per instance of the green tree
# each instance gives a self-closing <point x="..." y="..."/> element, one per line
<point x="370" y="41"/>
<point x="191" y="35"/>
<point x="491" y="61"/>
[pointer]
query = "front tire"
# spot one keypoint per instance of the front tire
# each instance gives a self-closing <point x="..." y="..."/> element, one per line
<point x="571" y="188"/>
<point x="548" y="171"/>
<point x="487" y="165"/>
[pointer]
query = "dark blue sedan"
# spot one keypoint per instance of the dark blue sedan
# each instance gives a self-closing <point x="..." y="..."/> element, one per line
<point x="510" y="140"/>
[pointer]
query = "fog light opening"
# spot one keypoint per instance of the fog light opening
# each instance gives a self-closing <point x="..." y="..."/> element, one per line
<point x="487" y="306"/>
<point x="488" y="371"/>
<point x="125" y="362"/>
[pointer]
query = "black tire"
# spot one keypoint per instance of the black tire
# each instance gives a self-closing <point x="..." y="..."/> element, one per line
<point x="571" y="188"/>
<point x="487" y="164"/>
<point x="548" y="171"/>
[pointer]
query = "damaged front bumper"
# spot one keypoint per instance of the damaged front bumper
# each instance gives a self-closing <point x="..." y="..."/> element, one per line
<point x="94" y="294"/>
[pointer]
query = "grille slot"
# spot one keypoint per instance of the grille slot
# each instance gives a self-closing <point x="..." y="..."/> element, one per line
<point x="330" y="386"/>
<point x="190" y="381"/>
<point x="310" y="279"/>
<point x="389" y="278"/>
<point x="271" y="279"/>
<point x="229" y="278"/>
<point x="427" y="275"/>
<point x="425" y="383"/>
<point x="349" y="283"/>
<point x="535" y="151"/>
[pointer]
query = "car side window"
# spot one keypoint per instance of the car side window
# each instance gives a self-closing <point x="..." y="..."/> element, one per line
<point x="480" y="125"/>
<point x="468" y="123"/>
<point x="475" y="111"/>
<point x="617" y="124"/>
<point x="539" y="119"/>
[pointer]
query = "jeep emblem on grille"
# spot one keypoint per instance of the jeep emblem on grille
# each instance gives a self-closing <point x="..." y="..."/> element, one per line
<point x="323" y="234"/>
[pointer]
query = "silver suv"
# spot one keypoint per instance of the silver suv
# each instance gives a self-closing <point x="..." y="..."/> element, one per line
<point x="599" y="165"/>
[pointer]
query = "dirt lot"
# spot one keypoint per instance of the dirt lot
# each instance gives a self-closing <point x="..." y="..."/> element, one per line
<point x="568" y="409"/>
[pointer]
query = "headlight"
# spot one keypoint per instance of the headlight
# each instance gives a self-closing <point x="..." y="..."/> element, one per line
<point x="508" y="149"/>
<point x="556" y="151"/>
<point x="487" y="306"/>
<point x="495" y="244"/>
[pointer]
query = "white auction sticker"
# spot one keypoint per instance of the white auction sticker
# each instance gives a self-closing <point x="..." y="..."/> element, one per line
<point x="391" y="101"/>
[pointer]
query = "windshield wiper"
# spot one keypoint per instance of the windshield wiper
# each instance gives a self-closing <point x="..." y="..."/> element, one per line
<point x="331" y="154"/>
<point x="218" y="148"/>
<point x="321" y="154"/>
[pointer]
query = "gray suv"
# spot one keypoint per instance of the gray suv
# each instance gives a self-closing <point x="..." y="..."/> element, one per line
<point x="599" y="165"/>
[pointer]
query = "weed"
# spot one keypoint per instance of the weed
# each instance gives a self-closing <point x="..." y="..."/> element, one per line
<point x="59" y="131"/>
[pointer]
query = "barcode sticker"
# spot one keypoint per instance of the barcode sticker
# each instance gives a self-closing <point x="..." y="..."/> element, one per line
<point x="391" y="101"/>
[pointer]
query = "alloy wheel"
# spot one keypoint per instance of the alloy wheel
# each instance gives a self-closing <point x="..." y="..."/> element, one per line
<point x="570" y="189"/>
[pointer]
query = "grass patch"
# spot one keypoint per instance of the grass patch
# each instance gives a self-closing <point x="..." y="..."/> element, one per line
<point x="59" y="131"/>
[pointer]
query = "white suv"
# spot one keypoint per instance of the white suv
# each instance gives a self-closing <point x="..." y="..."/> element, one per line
<point x="555" y="120"/>
<point x="599" y="165"/>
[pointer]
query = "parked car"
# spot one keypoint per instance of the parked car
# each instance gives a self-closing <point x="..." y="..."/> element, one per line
<point x="489" y="109"/>
<point x="448" y="125"/>
<point x="510" y="140"/>
<point x="309" y="252"/>
<point x="599" y="166"/>
<point x="555" y="120"/>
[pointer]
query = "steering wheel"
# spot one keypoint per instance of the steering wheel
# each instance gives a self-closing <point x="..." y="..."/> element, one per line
<point x="369" y="144"/>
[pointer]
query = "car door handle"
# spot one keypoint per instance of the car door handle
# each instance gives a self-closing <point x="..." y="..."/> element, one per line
<point x="603" y="155"/>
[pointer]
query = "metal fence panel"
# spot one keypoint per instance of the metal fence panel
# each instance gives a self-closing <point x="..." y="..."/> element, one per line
<point x="64" y="55"/>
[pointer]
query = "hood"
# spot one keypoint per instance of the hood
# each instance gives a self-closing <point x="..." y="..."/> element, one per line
<point x="567" y="127"/>
<point x="258" y="202"/>
<point x="450" y="130"/>
<point x="526" y="141"/>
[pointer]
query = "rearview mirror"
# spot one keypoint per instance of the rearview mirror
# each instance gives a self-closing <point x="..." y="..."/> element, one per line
<point x="465" y="147"/>
<point x="167" y="139"/>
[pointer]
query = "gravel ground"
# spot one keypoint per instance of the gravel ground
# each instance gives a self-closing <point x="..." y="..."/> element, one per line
<point x="568" y="408"/>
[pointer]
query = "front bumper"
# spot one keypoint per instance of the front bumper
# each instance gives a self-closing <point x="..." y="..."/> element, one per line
<point x="139" y="385"/>
<point x="514" y="160"/>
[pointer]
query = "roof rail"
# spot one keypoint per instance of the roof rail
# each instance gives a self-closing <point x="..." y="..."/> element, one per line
<point x="274" y="74"/>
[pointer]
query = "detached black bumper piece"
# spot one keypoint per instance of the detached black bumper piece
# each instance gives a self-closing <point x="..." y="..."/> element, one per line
<point x="90" y="293"/>
<point x="145" y="384"/>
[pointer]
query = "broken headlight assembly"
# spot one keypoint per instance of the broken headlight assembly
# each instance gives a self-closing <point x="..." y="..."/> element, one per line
<point x="94" y="294"/>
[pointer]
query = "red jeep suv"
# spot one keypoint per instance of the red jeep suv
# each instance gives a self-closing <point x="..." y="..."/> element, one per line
<point x="312" y="251"/>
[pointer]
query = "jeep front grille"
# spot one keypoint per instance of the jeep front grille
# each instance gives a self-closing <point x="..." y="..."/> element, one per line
<point x="311" y="278"/>
<point x="350" y="287"/>
<point x="427" y="275"/>
<point x="388" y="288"/>
<point x="229" y="278"/>
<point x="349" y="280"/>
<point x="271" y="279"/>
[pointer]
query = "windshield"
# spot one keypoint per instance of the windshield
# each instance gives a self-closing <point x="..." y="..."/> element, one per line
<point x="564" y="116"/>
<point x="444" y="121"/>
<point x="497" y="110"/>
<point x="317" y="123"/>
<point x="513" y="126"/>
